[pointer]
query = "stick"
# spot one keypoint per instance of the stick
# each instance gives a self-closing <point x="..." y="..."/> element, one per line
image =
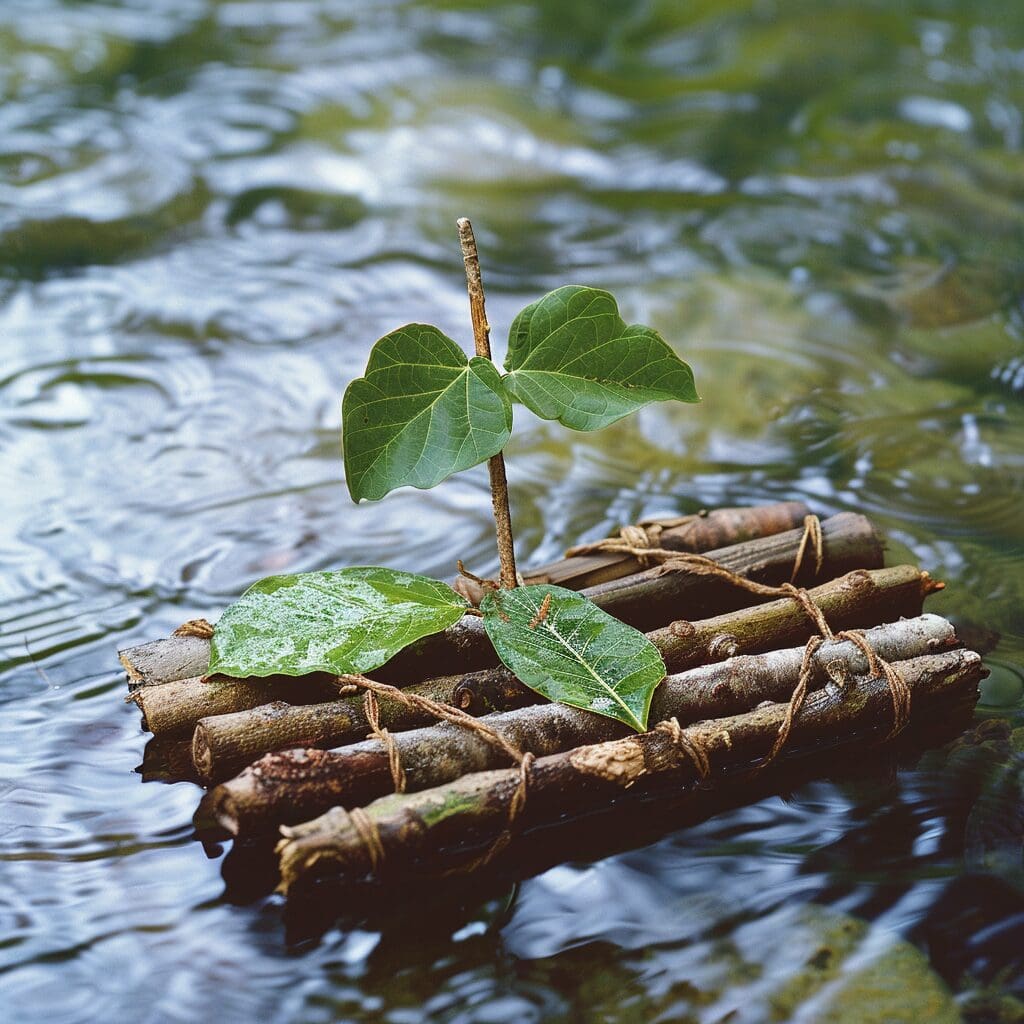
<point x="223" y="744"/>
<point x="495" y="464"/>
<point x="855" y="600"/>
<point x="183" y="657"/>
<point x="625" y="823"/>
<point x="162" y="661"/>
<point x="650" y="599"/>
<point x="434" y="830"/>
<point x="297" y="785"/>
<point x="175" y="707"/>
<point x="704" y="531"/>
<point x="849" y="541"/>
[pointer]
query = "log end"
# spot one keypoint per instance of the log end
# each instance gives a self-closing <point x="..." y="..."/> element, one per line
<point x="327" y="845"/>
<point x="202" y="754"/>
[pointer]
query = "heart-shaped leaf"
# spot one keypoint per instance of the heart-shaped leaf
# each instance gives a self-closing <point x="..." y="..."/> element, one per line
<point x="422" y="412"/>
<point x="572" y="358"/>
<point x="352" y="620"/>
<point x="566" y="648"/>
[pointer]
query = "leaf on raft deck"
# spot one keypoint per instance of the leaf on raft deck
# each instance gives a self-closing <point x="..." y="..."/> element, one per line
<point x="571" y="651"/>
<point x="422" y="412"/>
<point x="572" y="358"/>
<point x="348" y="621"/>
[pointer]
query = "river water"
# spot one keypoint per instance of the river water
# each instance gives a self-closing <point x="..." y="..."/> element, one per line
<point x="208" y="213"/>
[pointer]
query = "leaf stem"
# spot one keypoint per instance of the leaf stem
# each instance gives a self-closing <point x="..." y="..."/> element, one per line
<point x="496" y="464"/>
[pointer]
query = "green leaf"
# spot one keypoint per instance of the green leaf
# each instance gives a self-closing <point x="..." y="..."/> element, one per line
<point x="422" y="412"/>
<point x="574" y="653"/>
<point x="352" y="620"/>
<point x="572" y="358"/>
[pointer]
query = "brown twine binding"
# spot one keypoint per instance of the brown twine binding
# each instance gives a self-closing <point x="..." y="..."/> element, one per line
<point x="195" y="627"/>
<point x="687" y="742"/>
<point x="640" y="542"/>
<point x="879" y="667"/>
<point x="364" y="825"/>
<point x="370" y="835"/>
<point x="371" y="708"/>
<point x="813" y="535"/>
<point x="796" y="702"/>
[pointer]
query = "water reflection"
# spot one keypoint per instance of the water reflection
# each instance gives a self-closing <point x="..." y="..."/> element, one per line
<point x="210" y="209"/>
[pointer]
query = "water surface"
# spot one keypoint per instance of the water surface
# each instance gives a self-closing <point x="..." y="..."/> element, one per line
<point x="208" y="213"/>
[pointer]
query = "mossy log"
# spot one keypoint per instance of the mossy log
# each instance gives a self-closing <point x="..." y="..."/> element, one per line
<point x="697" y="533"/>
<point x="444" y="829"/>
<point x="296" y="785"/>
<point x="849" y="541"/>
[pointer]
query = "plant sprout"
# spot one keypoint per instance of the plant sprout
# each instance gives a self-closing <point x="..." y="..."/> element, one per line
<point x="423" y="411"/>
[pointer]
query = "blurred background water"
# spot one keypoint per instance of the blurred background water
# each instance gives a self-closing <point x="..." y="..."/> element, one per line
<point x="210" y="210"/>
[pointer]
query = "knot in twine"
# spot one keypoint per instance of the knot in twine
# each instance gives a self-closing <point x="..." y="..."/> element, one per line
<point x="688" y="743"/>
<point x="363" y="823"/>
<point x="195" y="627"/>
<point x="639" y="542"/>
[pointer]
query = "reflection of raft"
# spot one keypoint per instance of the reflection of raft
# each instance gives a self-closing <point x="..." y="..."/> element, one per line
<point x="742" y="717"/>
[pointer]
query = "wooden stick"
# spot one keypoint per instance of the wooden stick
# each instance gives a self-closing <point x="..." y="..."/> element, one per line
<point x="164" y="661"/>
<point x="703" y="531"/>
<point x="495" y="464"/>
<point x="853" y="601"/>
<point x="849" y="541"/>
<point x="650" y="599"/>
<point x="222" y="744"/>
<point x="296" y="785"/>
<point x="175" y="707"/>
<point x="184" y="657"/>
<point x="250" y="869"/>
<point x="435" y="830"/>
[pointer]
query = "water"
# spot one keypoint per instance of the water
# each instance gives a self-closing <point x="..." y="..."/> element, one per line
<point x="209" y="211"/>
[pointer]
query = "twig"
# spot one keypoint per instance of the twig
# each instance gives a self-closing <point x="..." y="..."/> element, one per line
<point x="496" y="464"/>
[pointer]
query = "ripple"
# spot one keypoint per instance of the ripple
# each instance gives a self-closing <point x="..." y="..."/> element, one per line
<point x="209" y="211"/>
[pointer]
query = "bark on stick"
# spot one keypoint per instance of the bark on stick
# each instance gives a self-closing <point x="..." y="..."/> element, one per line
<point x="849" y="542"/>
<point x="650" y="599"/>
<point x="356" y="774"/>
<point x="182" y="657"/>
<point x="433" y="831"/>
<point x="859" y="599"/>
<point x="697" y="533"/>
<point x="175" y="707"/>
<point x="224" y="743"/>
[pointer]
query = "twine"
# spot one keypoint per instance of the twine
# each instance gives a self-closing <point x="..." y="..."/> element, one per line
<point x="371" y="708"/>
<point x="195" y="627"/>
<point x="364" y="824"/>
<point x="639" y="542"/>
<point x="688" y="744"/>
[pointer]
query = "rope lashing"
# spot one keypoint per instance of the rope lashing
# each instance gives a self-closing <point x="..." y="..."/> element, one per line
<point x="688" y="744"/>
<point x="364" y="824"/>
<point x="371" y="708"/>
<point x="195" y="627"/>
<point x="639" y="542"/>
